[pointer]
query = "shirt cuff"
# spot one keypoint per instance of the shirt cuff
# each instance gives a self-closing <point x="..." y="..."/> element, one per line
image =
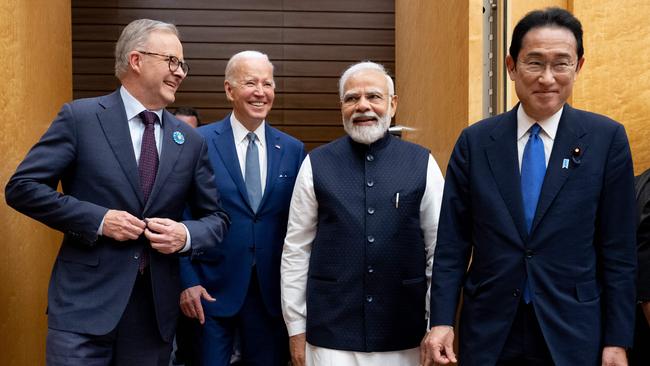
<point x="101" y="226"/>
<point x="188" y="240"/>
<point x="296" y="327"/>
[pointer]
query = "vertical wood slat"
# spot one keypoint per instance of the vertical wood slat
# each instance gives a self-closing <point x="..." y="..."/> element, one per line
<point x="310" y="43"/>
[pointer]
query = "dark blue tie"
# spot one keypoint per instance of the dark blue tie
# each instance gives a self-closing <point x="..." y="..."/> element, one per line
<point x="252" y="172"/>
<point x="533" y="169"/>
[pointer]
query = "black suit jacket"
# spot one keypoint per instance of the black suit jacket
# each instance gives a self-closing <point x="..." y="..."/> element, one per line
<point x="88" y="149"/>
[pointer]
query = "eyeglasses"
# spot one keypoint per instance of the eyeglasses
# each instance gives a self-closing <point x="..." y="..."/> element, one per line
<point x="537" y="67"/>
<point x="174" y="62"/>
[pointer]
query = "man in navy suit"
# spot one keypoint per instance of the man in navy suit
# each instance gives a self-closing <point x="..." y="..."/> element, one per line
<point x="127" y="168"/>
<point x="542" y="200"/>
<point x="239" y="282"/>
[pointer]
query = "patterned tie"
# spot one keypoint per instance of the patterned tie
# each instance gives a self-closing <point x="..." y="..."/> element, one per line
<point x="252" y="172"/>
<point x="533" y="169"/>
<point x="148" y="163"/>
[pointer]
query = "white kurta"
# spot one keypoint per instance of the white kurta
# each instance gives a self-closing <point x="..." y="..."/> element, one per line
<point x="301" y="232"/>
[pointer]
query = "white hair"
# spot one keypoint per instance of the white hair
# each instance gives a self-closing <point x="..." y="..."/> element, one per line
<point x="234" y="61"/>
<point x="135" y="35"/>
<point x="363" y="66"/>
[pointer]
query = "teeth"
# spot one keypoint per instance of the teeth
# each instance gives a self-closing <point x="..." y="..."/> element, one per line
<point x="257" y="104"/>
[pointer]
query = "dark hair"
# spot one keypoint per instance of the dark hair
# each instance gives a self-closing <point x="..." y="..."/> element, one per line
<point x="549" y="17"/>
<point x="188" y="111"/>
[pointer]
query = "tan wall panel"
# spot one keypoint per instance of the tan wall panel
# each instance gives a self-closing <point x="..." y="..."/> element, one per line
<point x="36" y="68"/>
<point x="615" y="79"/>
<point x="432" y="68"/>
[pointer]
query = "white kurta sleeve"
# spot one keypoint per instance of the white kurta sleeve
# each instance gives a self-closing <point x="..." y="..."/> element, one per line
<point x="301" y="231"/>
<point x="429" y="214"/>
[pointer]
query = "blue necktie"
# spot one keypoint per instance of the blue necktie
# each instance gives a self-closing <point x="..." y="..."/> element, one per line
<point x="533" y="169"/>
<point x="252" y="172"/>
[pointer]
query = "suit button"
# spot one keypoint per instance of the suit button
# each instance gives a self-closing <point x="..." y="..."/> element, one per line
<point x="371" y="210"/>
<point x="371" y="239"/>
<point x="370" y="269"/>
<point x="516" y="292"/>
<point x="369" y="298"/>
<point x="370" y="183"/>
<point x="136" y="256"/>
<point x="529" y="254"/>
<point x="370" y="157"/>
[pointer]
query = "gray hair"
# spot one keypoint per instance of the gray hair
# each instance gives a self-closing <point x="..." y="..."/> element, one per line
<point x="363" y="66"/>
<point x="234" y="61"/>
<point x="134" y="36"/>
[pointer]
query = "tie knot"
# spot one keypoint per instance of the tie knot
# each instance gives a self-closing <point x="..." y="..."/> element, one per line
<point x="148" y="118"/>
<point x="534" y="130"/>
<point x="251" y="136"/>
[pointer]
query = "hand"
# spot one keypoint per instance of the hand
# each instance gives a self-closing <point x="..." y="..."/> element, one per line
<point x="122" y="226"/>
<point x="297" y="345"/>
<point x="165" y="235"/>
<point x="438" y="346"/>
<point x="191" y="302"/>
<point x="614" y="356"/>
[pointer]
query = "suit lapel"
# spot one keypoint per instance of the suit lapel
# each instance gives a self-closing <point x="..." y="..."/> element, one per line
<point x="170" y="151"/>
<point x="567" y="138"/>
<point x="112" y="119"/>
<point x="224" y="142"/>
<point x="504" y="163"/>
<point x="274" y="154"/>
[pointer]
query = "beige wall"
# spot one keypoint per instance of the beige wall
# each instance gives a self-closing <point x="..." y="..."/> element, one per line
<point x="36" y="72"/>
<point x="615" y="79"/>
<point x="438" y="69"/>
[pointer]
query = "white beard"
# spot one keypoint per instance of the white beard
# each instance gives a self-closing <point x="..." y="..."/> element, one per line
<point x="367" y="134"/>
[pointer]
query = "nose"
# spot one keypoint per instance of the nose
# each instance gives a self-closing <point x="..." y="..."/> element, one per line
<point x="363" y="104"/>
<point x="547" y="76"/>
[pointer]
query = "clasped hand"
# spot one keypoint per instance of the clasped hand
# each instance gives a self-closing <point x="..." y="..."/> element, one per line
<point x="165" y="235"/>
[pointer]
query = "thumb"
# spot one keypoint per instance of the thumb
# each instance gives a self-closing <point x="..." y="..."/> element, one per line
<point x="206" y="295"/>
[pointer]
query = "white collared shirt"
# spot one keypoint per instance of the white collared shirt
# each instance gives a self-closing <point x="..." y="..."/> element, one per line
<point x="239" y="133"/>
<point x="547" y="133"/>
<point x="136" y="127"/>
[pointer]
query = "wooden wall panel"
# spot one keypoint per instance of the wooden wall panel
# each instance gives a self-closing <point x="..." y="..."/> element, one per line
<point x="37" y="74"/>
<point x="310" y="43"/>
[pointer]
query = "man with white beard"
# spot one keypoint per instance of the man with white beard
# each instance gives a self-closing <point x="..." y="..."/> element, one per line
<point x="356" y="264"/>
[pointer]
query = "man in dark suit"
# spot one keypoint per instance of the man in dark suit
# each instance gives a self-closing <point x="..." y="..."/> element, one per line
<point x="127" y="168"/>
<point x="542" y="199"/>
<point x="240" y="280"/>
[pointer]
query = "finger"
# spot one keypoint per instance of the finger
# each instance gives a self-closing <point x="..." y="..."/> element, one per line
<point x="206" y="295"/>
<point x="199" y="313"/>
<point x="140" y="224"/>
<point x="437" y="356"/>
<point x="155" y="237"/>
<point x="449" y="351"/>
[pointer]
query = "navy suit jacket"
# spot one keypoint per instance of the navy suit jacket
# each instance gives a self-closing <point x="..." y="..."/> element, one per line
<point x="579" y="257"/>
<point x="88" y="148"/>
<point x="225" y="271"/>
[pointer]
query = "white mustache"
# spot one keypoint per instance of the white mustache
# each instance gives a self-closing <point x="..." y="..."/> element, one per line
<point x="368" y="114"/>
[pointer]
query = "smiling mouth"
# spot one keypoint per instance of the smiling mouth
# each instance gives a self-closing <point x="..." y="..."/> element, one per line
<point x="171" y="84"/>
<point x="364" y="120"/>
<point x="257" y="104"/>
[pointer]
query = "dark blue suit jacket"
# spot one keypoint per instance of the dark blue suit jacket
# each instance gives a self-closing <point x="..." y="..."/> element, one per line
<point x="225" y="271"/>
<point x="88" y="149"/>
<point x="579" y="257"/>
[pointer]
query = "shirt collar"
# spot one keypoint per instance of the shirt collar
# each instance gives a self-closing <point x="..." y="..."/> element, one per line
<point x="525" y="122"/>
<point x="133" y="107"/>
<point x="239" y="131"/>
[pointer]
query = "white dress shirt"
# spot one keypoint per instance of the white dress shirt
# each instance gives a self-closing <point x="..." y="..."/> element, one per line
<point x="547" y="133"/>
<point x="301" y="232"/>
<point x="239" y="133"/>
<point x="136" y="128"/>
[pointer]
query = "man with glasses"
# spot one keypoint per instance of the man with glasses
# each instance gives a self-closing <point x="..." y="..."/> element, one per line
<point x="127" y="168"/>
<point x="541" y="199"/>
<point x="240" y="283"/>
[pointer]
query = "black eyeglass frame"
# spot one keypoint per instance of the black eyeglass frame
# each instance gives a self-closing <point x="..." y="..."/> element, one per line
<point x="173" y="62"/>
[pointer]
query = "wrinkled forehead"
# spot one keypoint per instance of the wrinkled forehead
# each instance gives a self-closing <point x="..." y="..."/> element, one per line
<point x="366" y="81"/>
<point x="164" y="42"/>
<point x="549" y="40"/>
<point x="253" y="67"/>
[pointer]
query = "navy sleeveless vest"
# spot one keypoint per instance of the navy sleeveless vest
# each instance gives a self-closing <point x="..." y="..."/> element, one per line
<point x="366" y="286"/>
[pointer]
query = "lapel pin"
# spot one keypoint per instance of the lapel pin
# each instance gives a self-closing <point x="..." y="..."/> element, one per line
<point x="576" y="154"/>
<point x="565" y="164"/>
<point x="178" y="137"/>
<point x="277" y="146"/>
